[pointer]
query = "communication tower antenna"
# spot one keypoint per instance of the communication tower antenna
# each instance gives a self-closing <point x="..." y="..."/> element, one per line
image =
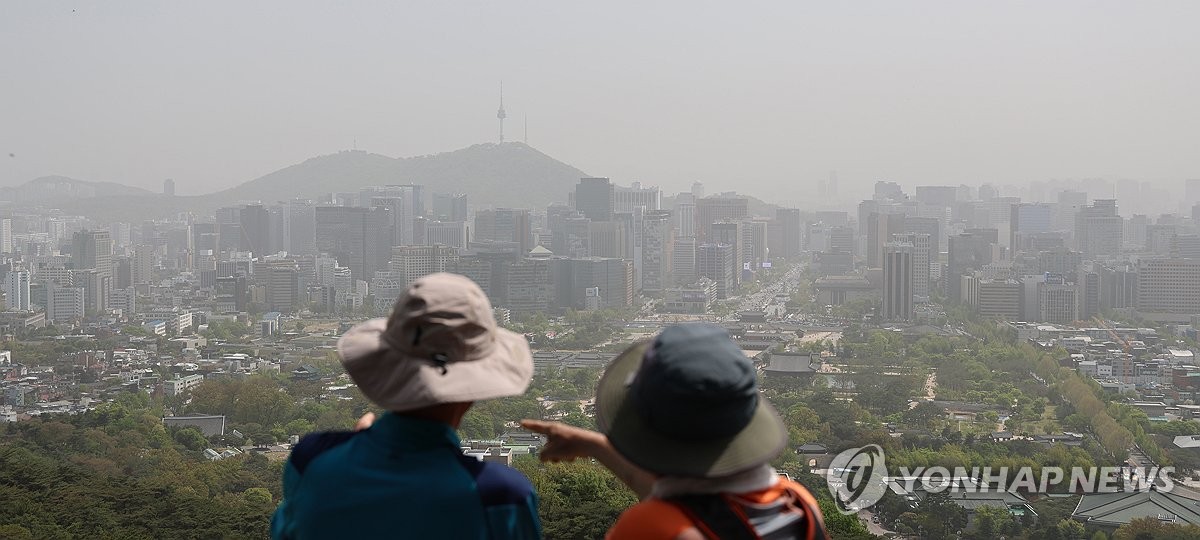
<point x="500" y="113"/>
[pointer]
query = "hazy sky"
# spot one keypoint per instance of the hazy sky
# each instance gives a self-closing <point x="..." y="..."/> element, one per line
<point x="765" y="98"/>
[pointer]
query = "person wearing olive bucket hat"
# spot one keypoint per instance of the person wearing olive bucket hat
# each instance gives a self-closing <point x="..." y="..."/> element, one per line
<point x="405" y="475"/>
<point x="683" y="425"/>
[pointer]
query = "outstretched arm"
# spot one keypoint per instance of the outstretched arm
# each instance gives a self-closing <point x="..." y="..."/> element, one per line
<point x="566" y="443"/>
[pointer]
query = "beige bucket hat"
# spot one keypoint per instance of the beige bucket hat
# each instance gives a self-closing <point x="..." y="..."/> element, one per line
<point x="441" y="344"/>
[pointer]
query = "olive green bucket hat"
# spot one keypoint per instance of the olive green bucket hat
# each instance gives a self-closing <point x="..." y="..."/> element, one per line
<point x="687" y="404"/>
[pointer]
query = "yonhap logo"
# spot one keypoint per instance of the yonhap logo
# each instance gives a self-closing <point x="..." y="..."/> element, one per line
<point x="857" y="478"/>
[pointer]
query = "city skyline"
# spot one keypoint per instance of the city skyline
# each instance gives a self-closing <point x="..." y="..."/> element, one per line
<point x="1005" y="95"/>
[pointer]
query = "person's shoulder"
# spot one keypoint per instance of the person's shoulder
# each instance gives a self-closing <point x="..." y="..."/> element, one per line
<point x="811" y="508"/>
<point x="313" y="445"/>
<point x="497" y="483"/>
<point x="802" y="492"/>
<point x="651" y="519"/>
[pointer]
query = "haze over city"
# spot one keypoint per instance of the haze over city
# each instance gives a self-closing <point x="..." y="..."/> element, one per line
<point x="764" y="98"/>
<point x="553" y="270"/>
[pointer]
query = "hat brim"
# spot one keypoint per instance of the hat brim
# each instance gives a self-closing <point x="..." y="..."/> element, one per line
<point x="763" y="438"/>
<point x="398" y="382"/>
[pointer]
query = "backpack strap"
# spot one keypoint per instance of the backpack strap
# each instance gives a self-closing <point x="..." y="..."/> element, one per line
<point x="813" y="522"/>
<point x="715" y="517"/>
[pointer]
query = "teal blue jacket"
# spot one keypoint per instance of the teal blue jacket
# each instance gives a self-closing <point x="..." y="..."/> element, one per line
<point x="402" y="478"/>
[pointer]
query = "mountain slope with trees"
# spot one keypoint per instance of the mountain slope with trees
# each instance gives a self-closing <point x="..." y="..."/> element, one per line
<point x="494" y="175"/>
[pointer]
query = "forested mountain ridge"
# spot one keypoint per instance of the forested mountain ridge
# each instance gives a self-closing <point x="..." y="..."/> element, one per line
<point x="494" y="175"/>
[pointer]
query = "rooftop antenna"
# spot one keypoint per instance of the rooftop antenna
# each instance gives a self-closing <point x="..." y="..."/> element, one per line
<point x="526" y="129"/>
<point x="500" y="113"/>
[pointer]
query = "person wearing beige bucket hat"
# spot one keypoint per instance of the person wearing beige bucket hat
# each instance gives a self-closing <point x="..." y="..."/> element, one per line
<point x="404" y="475"/>
<point x="683" y="425"/>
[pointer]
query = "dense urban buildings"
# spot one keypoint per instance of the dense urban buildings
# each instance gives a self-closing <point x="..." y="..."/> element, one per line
<point x="1058" y="258"/>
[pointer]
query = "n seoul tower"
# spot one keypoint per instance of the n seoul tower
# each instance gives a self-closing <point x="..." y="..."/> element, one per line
<point x="500" y="113"/>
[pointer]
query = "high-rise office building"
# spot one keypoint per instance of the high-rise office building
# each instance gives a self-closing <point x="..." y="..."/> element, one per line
<point x="229" y="228"/>
<point x="64" y="305"/>
<point x="336" y="297"/>
<point x="504" y="225"/>
<point x="302" y="228"/>
<point x="557" y="214"/>
<point x="998" y="298"/>
<point x="478" y="270"/>
<point x="206" y="237"/>
<point x="256" y="229"/>
<point x="609" y="279"/>
<point x="16" y="290"/>
<point x="1028" y="219"/>
<point x="124" y="273"/>
<point x="1157" y="239"/>
<point x="968" y="252"/>
<point x="594" y="198"/>
<point x="1185" y="246"/>
<point x="412" y="262"/>
<point x="923" y="258"/>
<point x="657" y="247"/>
<point x="1168" y="286"/>
<point x="398" y="220"/>
<point x="1058" y="261"/>
<point x="888" y="191"/>
<point x="685" y="218"/>
<point x="841" y="239"/>
<point x="1191" y="191"/>
<point x="93" y="250"/>
<point x="609" y="239"/>
<point x="898" y="281"/>
<point x="1134" y="233"/>
<point x="6" y="235"/>
<point x="283" y="286"/>
<point x="714" y="209"/>
<point x="1098" y="229"/>
<point x="1087" y="285"/>
<point x="632" y="252"/>
<point x="944" y="196"/>
<point x="756" y="237"/>
<point x="448" y="233"/>
<point x="355" y="236"/>
<point x="733" y="234"/>
<point x="626" y="199"/>
<point x="323" y="270"/>
<point x="791" y="232"/>
<point x="571" y="238"/>
<point x="231" y="294"/>
<point x="1067" y="208"/>
<point x="716" y="262"/>
<point x="449" y="207"/>
<point x="124" y="300"/>
<point x="142" y="264"/>
<point x="1118" y="287"/>
<point x="932" y="226"/>
<point x="96" y="286"/>
<point x="530" y="287"/>
<point x="401" y="205"/>
<point x="879" y="229"/>
<point x="683" y="261"/>
<point x="1058" y="301"/>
